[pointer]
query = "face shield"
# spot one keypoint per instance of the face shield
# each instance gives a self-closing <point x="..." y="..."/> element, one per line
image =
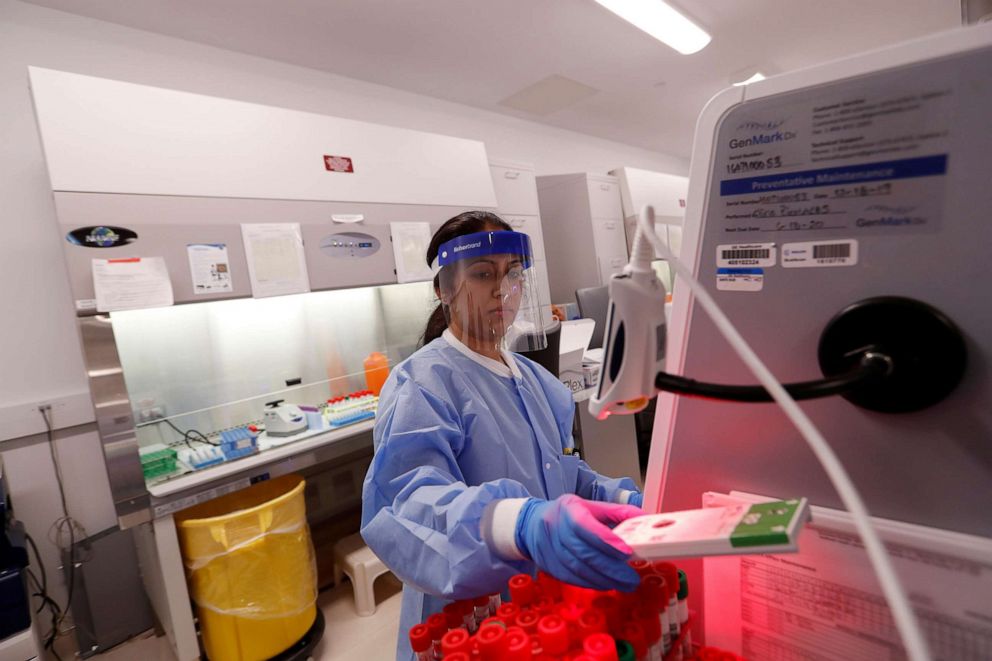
<point x="488" y="291"/>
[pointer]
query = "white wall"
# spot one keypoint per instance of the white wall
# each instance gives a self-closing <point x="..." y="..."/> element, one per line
<point x="39" y="347"/>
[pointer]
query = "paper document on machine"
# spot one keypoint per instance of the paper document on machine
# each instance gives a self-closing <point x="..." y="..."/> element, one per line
<point x="825" y="602"/>
<point x="276" y="263"/>
<point x="130" y="284"/>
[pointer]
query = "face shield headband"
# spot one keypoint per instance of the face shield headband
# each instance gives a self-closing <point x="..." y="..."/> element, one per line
<point x="481" y="244"/>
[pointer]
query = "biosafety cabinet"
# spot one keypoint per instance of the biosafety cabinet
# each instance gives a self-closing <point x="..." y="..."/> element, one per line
<point x="232" y="266"/>
<point x="224" y="255"/>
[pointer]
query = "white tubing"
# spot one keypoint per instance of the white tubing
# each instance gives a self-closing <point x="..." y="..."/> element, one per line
<point x="895" y="595"/>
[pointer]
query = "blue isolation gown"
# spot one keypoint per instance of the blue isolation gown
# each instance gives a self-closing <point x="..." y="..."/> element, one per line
<point x="456" y="431"/>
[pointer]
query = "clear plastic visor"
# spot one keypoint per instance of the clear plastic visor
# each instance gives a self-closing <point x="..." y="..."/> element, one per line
<point x="490" y="298"/>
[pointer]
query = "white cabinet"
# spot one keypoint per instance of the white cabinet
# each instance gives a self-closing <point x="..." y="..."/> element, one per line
<point x="584" y="237"/>
<point x="604" y="196"/>
<point x="531" y="226"/>
<point x="516" y="202"/>
<point x="516" y="190"/>
<point x="667" y="193"/>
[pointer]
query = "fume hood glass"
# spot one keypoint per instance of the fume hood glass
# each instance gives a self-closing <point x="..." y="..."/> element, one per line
<point x="205" y="374"/>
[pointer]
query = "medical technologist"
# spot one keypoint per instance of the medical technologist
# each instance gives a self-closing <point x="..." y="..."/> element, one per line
<point x="470" y="483"/>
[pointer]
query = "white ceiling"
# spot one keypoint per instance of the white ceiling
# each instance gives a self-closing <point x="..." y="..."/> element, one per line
<point x="479" y="52"/>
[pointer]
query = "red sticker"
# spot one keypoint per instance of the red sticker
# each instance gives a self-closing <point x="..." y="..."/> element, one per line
<point x="338" y="164"/>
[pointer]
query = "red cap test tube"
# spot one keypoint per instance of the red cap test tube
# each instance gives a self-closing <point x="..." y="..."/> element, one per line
<point x="609" y="604"/>
<point x="600" y="646"/>
<point x="592" y="621"/>
<point x="652" y="634"/>
<point x="456" y="640"/>
<point x="553" y="634"/>
<point x="671" y="574"/>
<point x="420" y="641"/>
<point x="438" y="626"/>
<point x="508" y="612"/>
<point x="528" y="621"/>
<point x="523" y="591"/>
<point x="634" y="634"/>
<point x="654" y="592"/>
<point x="518" y="646"/>
<point x="493" y="643"/>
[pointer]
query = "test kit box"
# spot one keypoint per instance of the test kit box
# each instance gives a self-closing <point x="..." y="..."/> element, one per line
<point x="575" y="336"/>
<point x="570" y="370"/>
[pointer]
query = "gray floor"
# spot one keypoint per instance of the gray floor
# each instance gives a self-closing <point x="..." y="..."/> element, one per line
<point x="346" y="637"/>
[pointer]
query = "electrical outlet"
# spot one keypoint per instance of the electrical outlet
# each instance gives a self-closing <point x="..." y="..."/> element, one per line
<point x="148" y="410"/>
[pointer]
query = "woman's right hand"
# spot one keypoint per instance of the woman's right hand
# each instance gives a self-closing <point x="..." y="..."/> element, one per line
<point x="571" y="539"/>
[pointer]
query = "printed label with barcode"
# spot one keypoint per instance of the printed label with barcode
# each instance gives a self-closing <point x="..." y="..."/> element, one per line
<point x="820" y="253"/>
<point x="745" y="254"/>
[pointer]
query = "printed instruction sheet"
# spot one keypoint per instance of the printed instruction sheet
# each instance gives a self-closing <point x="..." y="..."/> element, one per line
<point x="130" y="284"/>
<point x="276" y="263"/>
<point x="410" y="243"/>
<point x="825" y="603"/>
<point x="209" y="268"/>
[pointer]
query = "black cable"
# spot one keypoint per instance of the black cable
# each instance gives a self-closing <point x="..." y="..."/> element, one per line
<point x="873" y="367"/>
<point x="53" y="608"/>
<point x="58" y="527"/>
<point x="55" y="461"/>
<point x="41" y="565"/>
<point x="186" y="434"/>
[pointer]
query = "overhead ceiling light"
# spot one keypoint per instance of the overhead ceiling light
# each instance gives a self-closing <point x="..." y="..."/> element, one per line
<point x="662" y="22"/>
<point x="753" y="79"/>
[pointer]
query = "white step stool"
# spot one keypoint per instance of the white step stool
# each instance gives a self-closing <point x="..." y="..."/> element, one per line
<point x="353" y="558"/>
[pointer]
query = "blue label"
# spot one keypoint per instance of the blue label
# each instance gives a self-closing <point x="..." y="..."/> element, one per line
<point x="731" y="271"/>
<point x="907" y="168"/>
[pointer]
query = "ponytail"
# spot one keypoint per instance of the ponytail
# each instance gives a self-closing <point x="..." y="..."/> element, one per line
<point x="435" y="325"/>
<point x="468" y="222"/>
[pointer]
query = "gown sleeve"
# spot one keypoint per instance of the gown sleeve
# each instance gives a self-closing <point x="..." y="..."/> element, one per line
<point x="588" y="483"/>
<point x="418" y="515"/>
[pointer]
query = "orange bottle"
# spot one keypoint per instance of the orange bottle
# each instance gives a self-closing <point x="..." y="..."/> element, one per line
<point x="376" y="371"/>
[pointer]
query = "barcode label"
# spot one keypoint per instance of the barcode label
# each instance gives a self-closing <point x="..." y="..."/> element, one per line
<point x="745" y="254"/>
<point x="820" y="253"/>
<point x="832" y="251"/>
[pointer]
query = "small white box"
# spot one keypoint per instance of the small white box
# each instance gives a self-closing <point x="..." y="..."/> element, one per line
<point x="575" y="337"/>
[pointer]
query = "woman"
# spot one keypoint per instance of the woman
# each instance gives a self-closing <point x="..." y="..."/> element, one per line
<point x="470" y="484"/>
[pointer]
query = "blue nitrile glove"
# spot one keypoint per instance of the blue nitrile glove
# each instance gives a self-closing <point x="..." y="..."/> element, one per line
<point x="636" y="499"/>
<point x="570" y="538"/>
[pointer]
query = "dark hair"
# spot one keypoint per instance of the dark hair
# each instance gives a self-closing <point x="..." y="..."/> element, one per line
<point x="468" y="222"/>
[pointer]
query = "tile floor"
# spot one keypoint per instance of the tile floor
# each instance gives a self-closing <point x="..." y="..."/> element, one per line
<point x="346" y="636"/>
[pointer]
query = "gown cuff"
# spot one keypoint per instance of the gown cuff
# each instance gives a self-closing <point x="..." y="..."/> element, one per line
<point x="623" y="496"/>
<point x="499" y="527"/>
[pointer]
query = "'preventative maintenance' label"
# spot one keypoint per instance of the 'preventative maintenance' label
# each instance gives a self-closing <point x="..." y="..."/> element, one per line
<point x="869" y="160"/>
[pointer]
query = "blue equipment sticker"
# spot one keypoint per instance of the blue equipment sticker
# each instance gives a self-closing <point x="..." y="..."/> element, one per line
<point x="732" y="279"/>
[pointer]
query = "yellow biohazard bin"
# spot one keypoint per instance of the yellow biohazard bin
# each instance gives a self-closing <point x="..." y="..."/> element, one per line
<point x="250" y="568"/>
